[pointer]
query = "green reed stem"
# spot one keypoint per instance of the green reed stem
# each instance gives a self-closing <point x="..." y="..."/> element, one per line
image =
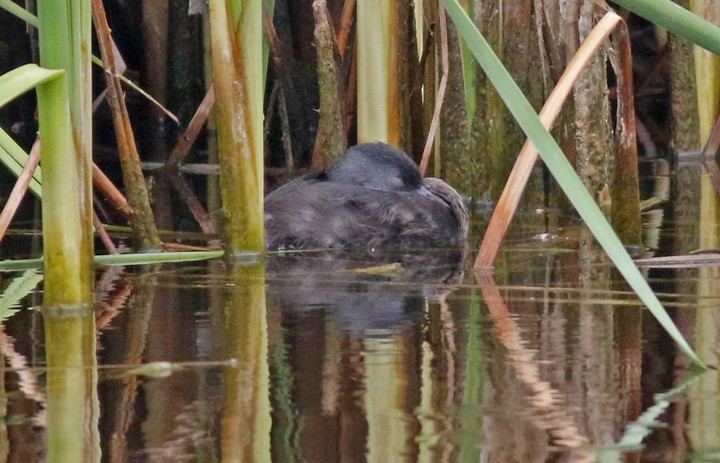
<point x="236" y="35"/>
<point x="64" y="112"/>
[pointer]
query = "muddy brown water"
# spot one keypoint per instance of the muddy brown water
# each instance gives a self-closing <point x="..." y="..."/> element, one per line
<point x="384" y="355"/>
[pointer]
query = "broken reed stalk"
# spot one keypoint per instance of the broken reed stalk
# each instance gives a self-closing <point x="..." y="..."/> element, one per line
<point x="141" y="216"/>
<point x="330" y="140"/>
<point x="512" y="193"/>
<point x="193" y="203"/>
<point x="19" y="189"/>
<point x="187" y="139"/>
<point x="713" y="144"/>
<point x="440" y="96"/>
<point x="103" y="234"/>
<point x="237" y="56"/>
<point x="708" y="155"/>
<point x="101" y="97"/>
<point x="110" y="191"/>
<point x="625" y="212"/>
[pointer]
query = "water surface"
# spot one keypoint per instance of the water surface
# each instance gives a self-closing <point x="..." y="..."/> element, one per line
<point x="385" y="355"/>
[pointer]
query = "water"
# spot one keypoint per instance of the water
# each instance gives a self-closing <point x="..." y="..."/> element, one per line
<point x="381" y="356"/>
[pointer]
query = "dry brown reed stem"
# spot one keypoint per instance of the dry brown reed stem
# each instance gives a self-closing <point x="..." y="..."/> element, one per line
<point x="440" y="97"/>
<point x="711" y="147"/>
<point x="419" y="92"/>
<point x="20" y="188"/>
<point x="110" y="191"/>
<point x="512" y="193"/>
<point x="285" y="124"/>
<point x="192" y="202"/>
<point x="626" y="191"/>
<point x="98" y="101"/>
<point x="141" y="217"/>
<point x="186" y="247"/>
<point x="112" y="309"/>
<point x="182" y="148"/>
<point x="282" y="86"/>
<point x="270" y="109"/>
<point x="103" y="234"/>
<point x="272" y="39"/>
<point x="708" y="156"/>
<point x="101" y="97"/>
<point x="351" y="96"/>
<point x="26" y="381"/>
<point x="346" y="20"/>
<point x="101" y="181"/>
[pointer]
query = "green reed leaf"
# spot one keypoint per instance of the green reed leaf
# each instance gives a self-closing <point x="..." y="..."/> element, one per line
<point x="678" y="20"/>
<point x="18" y="288"/>
<point x="561" y="169"/>
<point x="22" y="79"/>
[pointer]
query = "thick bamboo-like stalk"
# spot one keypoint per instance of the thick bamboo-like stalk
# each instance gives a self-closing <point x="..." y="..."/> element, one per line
<point x="625" y="211"/>
<point x="707" y="72"/>
<point x="237" y="64"/>
<point x="66" y="152"/>
<point x="66" y="279"/>
<point x="73" y="409"/>
<point x="684" y="102"/>
<point x="246" y="422"/>
<point x="377" y="110"/>
<point x="330" y="142"/>
<point x="386" y="388"/>
<point x="593" y="133"/>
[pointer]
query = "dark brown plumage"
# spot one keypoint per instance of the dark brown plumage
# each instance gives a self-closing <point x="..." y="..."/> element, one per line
<point x="372" y="197"/>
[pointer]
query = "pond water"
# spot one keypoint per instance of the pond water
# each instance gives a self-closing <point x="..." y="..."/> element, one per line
<point x="381" y="356"/>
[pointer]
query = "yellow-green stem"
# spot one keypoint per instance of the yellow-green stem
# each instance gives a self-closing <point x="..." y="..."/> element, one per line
<point x="66" y="279"/>
<point x="377" y="118"/>
<point x="66" y="135"/>
<point x="236" y="37"/>
<point x="72" y="404"/>
<point x="707" y="72"/>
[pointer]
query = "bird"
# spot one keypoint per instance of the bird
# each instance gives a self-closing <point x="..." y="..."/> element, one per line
<point x="372" y="197"/>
